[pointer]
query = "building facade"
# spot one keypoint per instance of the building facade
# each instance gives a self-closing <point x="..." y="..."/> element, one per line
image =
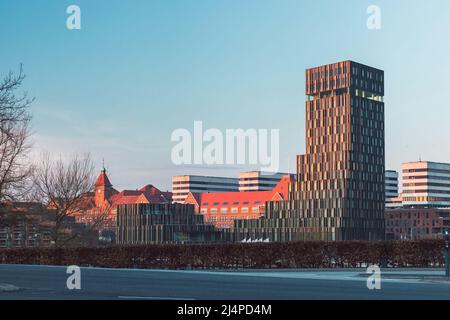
<point x="25" y="224"/>
<point x="391" y="184"/>
<point x="182" y="185"/>
<point x="98" y="209"/>
<point x="221" y="209"/>
<point x="339" y="193"/>
<point x="426" y="184"/>
<point x="417" y="223"/>
<point x="259" y="181"/>
<point x="162" y="223"/>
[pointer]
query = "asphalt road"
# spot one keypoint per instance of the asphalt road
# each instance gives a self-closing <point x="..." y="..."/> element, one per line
<point x="49" y="282"/>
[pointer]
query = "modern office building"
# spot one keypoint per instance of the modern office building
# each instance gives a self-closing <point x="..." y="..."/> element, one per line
<point x="259" y="180"/>
<point x="147" y="223"/>
<point x="339" y="192"/>
<point x="426" y="184"/>
<point x="417" y="223"/>
<point x="391" y="184"/>
<point x="182" y="185"/>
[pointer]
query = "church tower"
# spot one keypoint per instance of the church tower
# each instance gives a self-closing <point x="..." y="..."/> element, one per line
<point x="103" y="189"/>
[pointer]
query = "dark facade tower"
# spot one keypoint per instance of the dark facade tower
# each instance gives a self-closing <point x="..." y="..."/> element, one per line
<point x="339" y="192"/>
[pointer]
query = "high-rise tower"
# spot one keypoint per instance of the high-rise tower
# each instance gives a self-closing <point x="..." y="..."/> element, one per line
<point x="339" y="192"/>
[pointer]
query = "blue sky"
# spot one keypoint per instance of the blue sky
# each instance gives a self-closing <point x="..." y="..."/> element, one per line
<point x="137" y="70"/>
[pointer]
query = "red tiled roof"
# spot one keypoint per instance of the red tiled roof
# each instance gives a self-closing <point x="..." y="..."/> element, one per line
<point x="230" y="197"/>
<point x="147" y="194"/>
<point x="279" y="191"/>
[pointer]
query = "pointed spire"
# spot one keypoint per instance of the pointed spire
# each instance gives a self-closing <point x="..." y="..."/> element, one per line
<point x="102" y="180"/>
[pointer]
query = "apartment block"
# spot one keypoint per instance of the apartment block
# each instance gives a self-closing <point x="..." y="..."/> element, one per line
<point x="426" y="184"/>
<point x="25" y="224"/>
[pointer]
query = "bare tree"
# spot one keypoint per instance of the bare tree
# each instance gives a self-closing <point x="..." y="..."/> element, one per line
<point x="14" y="133"/>
<point x="64" y="186"/>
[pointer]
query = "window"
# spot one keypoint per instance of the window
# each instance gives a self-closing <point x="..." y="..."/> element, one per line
<point x="244" y="210"/>
<point x="223" y="210"/>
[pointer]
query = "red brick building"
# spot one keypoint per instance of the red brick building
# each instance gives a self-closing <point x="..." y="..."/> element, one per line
<point x="100" y="207"/>
<point x="221" y="209"/>
<point x="417" y="223"/>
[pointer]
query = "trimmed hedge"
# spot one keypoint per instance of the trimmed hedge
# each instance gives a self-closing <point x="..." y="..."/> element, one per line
<point x="309" y="254"/>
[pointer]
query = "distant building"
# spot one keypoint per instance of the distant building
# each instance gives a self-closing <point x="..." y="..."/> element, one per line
<point x="391" y="184"/>
<point x="426" y="184"/>
<point x="182" y="185"/>
<point x="259" y="181"/>
<point x="30" y="224"/>
<point x="162" y="223"/>
<point x="25" y="224"/>
<point x="221" y="209"/>
<point x="417" y="223"/>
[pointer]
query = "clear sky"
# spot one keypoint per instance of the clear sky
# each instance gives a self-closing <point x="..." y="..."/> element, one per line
<point x="137" y="70"/>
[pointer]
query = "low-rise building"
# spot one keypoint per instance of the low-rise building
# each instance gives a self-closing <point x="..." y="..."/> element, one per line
<point x="99" y="209"/>
<point x="25" y="224"/>
<point x="162" y="223"/>
<point x="416" y="223"/>
<point x="221" y="209"/>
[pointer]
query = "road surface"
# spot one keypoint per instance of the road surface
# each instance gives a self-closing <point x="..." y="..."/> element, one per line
<point x="49" y="282"/>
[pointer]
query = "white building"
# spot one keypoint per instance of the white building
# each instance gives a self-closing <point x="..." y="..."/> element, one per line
<point x="426" y="184"/>
<point x="182" y="185"/>
<point x="259" y="181"/>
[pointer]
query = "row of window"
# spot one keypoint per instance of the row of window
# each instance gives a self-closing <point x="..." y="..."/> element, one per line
<point x="232" y="210"/>
<point x="427" y="170"/>
<point x="227" y="203"/>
